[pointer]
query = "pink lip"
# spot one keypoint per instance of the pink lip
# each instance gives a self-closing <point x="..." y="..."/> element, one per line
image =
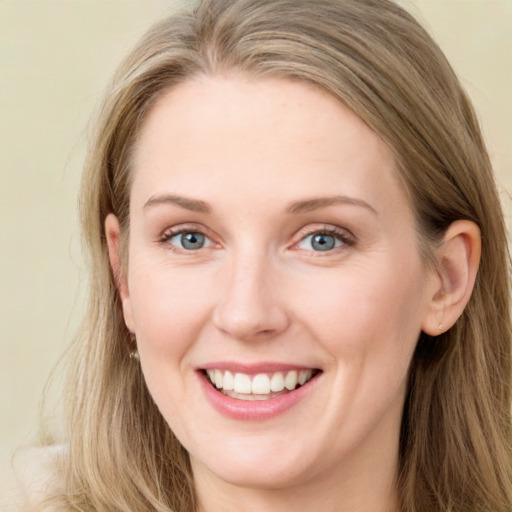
<point x="256" y="410"/>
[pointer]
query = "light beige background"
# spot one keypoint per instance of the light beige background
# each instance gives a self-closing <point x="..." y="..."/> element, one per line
<point x="55" y="58"/>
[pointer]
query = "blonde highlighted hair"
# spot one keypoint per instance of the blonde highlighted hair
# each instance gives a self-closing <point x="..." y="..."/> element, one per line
<point x="455" y="451"/>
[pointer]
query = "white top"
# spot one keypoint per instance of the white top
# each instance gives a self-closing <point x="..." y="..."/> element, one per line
<point x="35" y="475"/>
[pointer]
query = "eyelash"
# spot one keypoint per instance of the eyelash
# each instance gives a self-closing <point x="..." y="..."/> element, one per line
<point x="169" y="234"/>
<point x="341" y="235"/>
<point x="346" y="238"/>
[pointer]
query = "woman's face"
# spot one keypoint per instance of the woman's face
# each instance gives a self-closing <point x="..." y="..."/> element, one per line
<point x="271" y="245"/>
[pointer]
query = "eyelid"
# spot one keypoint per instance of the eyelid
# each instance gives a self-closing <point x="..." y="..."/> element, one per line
<point x="171" y="231"/>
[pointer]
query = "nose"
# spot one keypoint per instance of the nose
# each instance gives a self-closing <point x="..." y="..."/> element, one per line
<point x="251" y="305"/>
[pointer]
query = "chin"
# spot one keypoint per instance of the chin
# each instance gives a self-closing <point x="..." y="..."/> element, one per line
<point x="261" y="466"/>
<point x="258" y="476"/>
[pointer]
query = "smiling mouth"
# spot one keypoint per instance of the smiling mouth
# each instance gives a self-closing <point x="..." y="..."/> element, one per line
<point x="262" y="386"/>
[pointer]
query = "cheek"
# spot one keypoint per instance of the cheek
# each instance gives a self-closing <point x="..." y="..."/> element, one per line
<point x="168" y="306"/>
<point x="379" y="297"/>
<point x="367" y="319"/>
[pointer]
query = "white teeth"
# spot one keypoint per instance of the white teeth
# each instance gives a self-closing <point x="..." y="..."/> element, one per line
<point x="260" y="384"/>
<point x="218" y="378"/>
<point x="277" y="382"/>
<point x="290" y="381"/>
<point x="304" y="376"/>
<point x="229" y="381"/>
<point x="242" y="384"/>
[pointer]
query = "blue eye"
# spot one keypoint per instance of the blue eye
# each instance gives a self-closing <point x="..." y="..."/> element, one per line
<point x="321" y="242"/>
<point x="189" y="240"/>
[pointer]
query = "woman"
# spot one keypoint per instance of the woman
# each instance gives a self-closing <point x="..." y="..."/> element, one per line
<point x="299" y="294"/>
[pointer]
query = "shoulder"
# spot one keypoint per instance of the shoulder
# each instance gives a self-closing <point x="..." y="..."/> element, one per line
<point x="36" y="473"/>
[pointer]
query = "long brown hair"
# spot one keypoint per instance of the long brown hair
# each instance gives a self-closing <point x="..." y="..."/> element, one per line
<point x="455" y="451"/>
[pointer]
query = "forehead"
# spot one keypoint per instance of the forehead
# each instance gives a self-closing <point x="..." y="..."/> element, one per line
<point x="263" y="139"/>
<point x="295" y="112"/>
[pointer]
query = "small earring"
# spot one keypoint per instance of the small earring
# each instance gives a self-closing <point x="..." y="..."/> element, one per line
<point x="441" y="326"/>
<point x="134" y="354"/>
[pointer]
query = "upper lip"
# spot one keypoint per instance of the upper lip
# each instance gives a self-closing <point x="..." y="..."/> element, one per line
<point x="255" y="368"/>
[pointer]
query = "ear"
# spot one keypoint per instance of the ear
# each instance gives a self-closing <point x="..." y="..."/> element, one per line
<point x="113" y="235"/>
<point x="457" y="259"/>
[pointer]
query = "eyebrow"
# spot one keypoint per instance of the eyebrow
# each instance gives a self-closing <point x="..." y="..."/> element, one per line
<point x="193" y="205"/>
<point x="316" y="203"/>
<point x="303" y="206"/>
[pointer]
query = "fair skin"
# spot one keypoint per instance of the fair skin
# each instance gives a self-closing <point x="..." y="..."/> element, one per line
<point x="269" y="234"/>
